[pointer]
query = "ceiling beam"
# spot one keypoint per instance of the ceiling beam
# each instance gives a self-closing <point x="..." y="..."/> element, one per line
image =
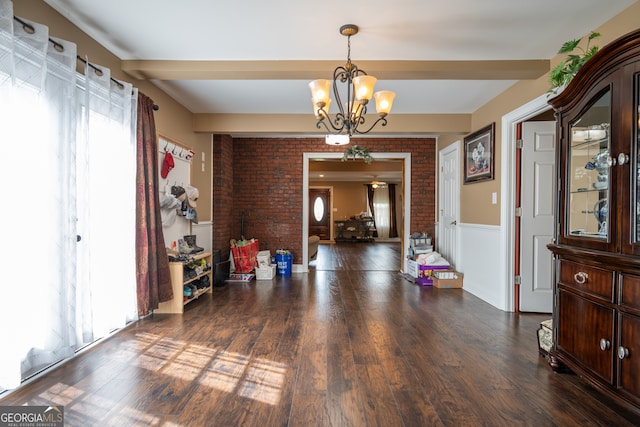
<point x="308" y="70"/>
<point x="417" y="125"/>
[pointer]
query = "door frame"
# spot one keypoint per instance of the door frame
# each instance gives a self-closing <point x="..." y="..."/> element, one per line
<point x="508" y="190"/>
<point x="451" y="148"/>
<point x="406" y="199"/>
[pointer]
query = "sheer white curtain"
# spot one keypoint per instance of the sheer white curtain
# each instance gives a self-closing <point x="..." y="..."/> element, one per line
<point x="381" y="210"/>
<point x="45" y="119"/>
<point x="106" y="205"/>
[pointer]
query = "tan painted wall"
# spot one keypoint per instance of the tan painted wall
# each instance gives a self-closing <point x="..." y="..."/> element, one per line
<point x="475" y="199"/>
<point x="349" y="198"/>
<point x="172" y="120"/>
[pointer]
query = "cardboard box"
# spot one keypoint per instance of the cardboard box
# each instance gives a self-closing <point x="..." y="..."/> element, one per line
<point x="449" y="280"/>
<point x="426" y="272"/>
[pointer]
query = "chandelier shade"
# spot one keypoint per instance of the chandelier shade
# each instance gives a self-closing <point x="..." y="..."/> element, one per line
<point x="359" y="91"/>
<point x="384" y="101"/>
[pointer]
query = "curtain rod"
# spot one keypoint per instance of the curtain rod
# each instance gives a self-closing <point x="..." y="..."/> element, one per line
<point x="60" y="48"/>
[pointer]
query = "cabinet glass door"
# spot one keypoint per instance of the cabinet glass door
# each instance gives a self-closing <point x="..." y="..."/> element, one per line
<point x="589" y="167"/>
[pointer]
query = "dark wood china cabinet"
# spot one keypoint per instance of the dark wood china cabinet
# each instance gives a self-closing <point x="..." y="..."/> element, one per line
<point x="596" y="318"/>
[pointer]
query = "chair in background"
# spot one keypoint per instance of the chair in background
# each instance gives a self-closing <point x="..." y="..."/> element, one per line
<point x="313" y="247"/>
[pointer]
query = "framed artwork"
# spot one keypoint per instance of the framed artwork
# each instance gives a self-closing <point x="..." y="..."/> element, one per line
<point x="478" y="155"/>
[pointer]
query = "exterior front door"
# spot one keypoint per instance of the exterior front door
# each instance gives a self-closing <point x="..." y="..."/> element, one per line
<point x="320" y="213"/>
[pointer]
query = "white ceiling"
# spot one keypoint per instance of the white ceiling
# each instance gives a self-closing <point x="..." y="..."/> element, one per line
<point x="297" y="30"/>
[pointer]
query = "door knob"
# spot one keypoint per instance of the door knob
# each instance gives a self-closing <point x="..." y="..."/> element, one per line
<point x="453" y="223"/>
<point x="605" y="344"/>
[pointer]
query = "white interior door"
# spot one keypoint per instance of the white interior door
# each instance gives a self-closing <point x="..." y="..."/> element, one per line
<point x="448" y="200"/>
<point x="536" y="223"/>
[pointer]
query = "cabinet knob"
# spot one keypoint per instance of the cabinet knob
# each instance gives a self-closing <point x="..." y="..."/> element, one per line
<point x="623" y="352"/>
<point x="581" y="277"/>
<point x="605" y="344"/>
<point x="623" y="158"/>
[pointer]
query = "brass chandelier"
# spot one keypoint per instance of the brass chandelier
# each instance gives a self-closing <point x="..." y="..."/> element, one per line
<point x="359" y="89"/>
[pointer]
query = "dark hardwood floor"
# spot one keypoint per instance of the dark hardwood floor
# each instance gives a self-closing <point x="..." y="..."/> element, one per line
<point x="352" y="343"/>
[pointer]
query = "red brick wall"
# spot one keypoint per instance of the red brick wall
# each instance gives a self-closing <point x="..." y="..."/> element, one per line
<point x="222" y="197"/>
<point x="267" y="186"/>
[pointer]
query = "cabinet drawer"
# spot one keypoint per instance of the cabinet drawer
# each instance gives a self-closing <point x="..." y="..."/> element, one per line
<point x="592" y="280"/>
<point x="630" y="291"/>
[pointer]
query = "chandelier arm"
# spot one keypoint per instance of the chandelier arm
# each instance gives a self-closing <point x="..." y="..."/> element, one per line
<point x="339" y="74"/>
<point x="382" y="120"/>
<point x="335" y="126"/>
<point x="360" y="113"/>
<point x="340" y="123"/>
<point x="323" y="123"/>
<point x="321" y="112"/>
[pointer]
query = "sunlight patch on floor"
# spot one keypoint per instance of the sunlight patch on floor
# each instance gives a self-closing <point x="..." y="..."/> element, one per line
<point x="190" y="362"/>
<point x="61" y="394"/>
<point x="257" y="379"/>
<point x="225" y="371"/>
<point x="263" y="381"/>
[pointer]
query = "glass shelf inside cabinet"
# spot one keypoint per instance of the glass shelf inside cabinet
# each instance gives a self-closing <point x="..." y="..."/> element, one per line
<point x="589" y="165"/>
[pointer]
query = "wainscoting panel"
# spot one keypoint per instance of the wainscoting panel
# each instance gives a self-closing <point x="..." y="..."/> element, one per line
<point x="480" y="261"/>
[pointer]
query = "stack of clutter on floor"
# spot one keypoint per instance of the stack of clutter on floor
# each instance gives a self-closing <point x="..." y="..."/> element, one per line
<point x="422" y="261"/>
<point x="265" y="270"/>
<point x="419" y="244"/>
<point x="427" y="265"/>
<point x="243" y="258"/>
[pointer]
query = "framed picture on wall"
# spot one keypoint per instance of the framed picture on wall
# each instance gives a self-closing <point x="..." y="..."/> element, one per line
<point x="479" y="155"/>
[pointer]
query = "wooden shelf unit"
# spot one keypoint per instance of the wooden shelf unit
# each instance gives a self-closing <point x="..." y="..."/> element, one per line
<point x="177" y="304"/>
